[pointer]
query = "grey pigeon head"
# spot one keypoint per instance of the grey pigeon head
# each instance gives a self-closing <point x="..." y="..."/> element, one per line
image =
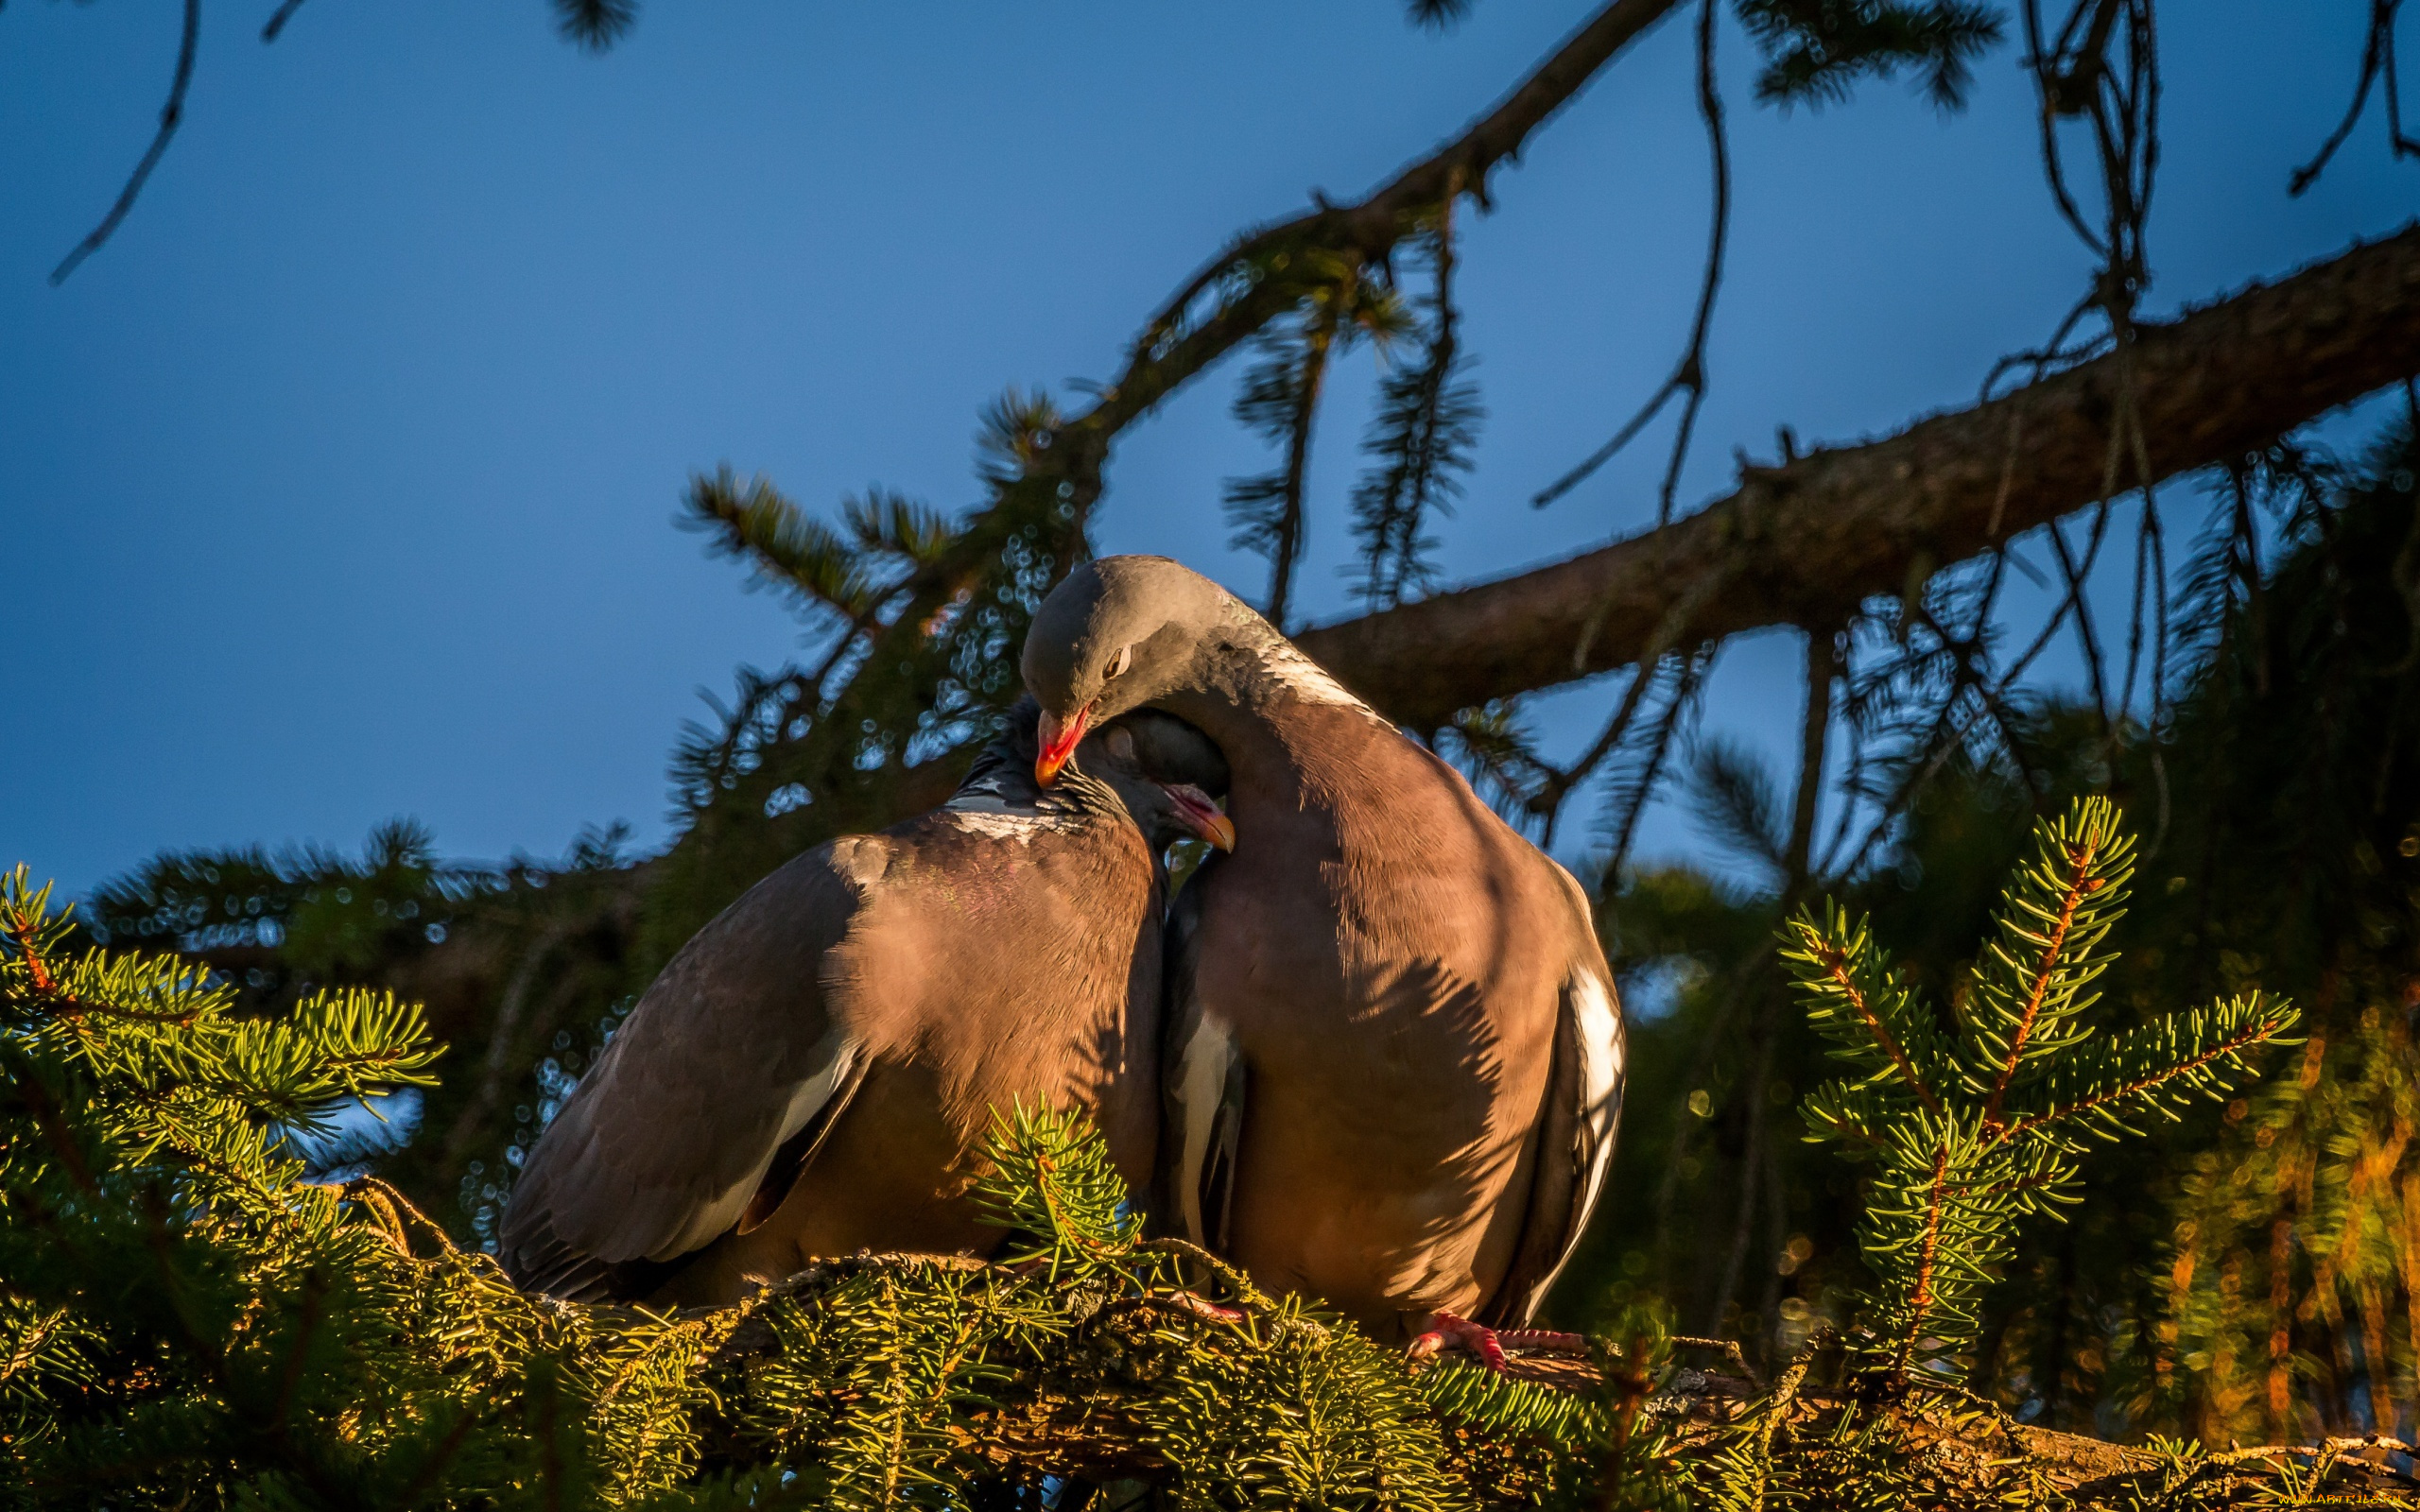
<point x="1159" y="771"/>
<point x="1168" y="774"/>
<point x="1116" y="634"/>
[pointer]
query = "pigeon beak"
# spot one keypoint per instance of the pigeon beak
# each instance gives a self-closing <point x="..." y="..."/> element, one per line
<point x="1198" y="813"/>
<point x="1059" y="743"/>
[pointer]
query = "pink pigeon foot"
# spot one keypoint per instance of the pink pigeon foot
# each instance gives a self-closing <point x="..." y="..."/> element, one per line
<point x="1446" y="1332"/>
<point x="1201" y="1307"/>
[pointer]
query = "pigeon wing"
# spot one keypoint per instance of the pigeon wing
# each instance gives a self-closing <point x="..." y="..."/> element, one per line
<point x="728" y="1071"/>
<point x="1574" y="1144"/>
<point x="1202" y="1084"/>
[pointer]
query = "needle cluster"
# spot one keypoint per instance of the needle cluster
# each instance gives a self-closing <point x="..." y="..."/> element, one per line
<point x="1970" y="1128"/>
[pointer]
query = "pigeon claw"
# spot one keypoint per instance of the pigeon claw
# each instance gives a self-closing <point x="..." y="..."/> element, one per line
<point x="1201" y="1307"/>
<point x="1446" y="1332"/>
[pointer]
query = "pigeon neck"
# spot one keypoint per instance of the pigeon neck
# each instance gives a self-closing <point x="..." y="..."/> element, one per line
<point x="1253" y="684"/>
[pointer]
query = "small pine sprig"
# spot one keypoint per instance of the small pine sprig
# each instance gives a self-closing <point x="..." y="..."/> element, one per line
<point x="1055" y="1189"/>
<point x="1968" y="1133"/>
<point x="1337" y="301"/>
<point x="2032" y="982"/>
<point x="849" y="571"/>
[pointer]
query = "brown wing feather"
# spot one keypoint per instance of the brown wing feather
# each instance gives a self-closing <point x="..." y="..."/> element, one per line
<point x="731" y="1053"/>
<point x="1573" y="1145"/>
<point x="1202" y="1083"/>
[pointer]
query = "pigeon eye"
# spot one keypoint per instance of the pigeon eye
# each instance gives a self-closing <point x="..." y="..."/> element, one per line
<point x="1124" y="659"/>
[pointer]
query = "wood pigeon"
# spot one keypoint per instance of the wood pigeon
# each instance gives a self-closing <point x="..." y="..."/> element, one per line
<point x="814" y="1072"/>
<point x="1394" y="1049"/>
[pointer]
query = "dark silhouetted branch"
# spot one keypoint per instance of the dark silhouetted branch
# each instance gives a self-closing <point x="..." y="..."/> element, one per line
<point x="1173" y="350"/>
<point x="277" y="20"/>
<point x="171" y="115"/>
<point x="2378" y="60"/>
<point x="1690" y="375"/>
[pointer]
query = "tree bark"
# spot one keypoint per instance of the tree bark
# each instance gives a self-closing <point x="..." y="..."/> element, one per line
<point x="1807" y="542"/>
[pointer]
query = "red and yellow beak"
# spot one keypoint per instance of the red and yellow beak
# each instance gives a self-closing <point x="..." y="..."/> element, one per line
<point x="1201" y="815"/>
<point x="1059" y="743"/>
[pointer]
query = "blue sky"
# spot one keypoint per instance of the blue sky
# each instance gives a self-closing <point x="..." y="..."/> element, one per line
<point x="340" y="484"/>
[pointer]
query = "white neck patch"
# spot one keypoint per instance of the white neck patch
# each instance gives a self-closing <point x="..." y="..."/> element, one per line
<point x="1282" y="665"/>
<point x="1021" y="828"/>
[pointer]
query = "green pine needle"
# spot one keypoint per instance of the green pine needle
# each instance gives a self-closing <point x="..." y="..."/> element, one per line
<point x="1963" y="1135"/>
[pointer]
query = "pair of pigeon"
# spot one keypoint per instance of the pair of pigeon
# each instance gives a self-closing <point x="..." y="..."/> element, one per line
<point x="1375" y="1057"/>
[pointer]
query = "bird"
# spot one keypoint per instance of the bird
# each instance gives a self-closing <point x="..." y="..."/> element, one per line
<point x="813" y="1074"/>
<point x="1394" y="1050"/>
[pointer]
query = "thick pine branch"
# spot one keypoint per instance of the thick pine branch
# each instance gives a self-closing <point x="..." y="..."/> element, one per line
<point x="1806" y="541"/>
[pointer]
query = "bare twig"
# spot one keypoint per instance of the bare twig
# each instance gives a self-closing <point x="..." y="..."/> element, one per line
<point x="1560" y="782"/>
<point x="171" y="115"/>
<point x="2377" y="59"/>
<point x="1689" y="376"/>
<point x="2077" y="607"/>
<point x="277" y="20"/>
<point x="1823" y="664"/>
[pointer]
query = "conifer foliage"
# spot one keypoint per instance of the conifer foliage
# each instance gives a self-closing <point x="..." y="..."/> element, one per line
<point x="1969" y="1132"/>
<point x="186" y="1321"/>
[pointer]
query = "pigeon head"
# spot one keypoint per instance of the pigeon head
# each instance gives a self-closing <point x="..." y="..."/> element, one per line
<point x="1117" y="633"/>
<point x="1167" y="773"/>
<point x="1156" y="769"/>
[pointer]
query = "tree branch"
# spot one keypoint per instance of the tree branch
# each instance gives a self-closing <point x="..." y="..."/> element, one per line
<point x="1690" y="374"/>
<point x="171" y="115"/>
<point x="1170" y="352"/>
<point x="277" y="21"/>
<point x="1809" y="541"/>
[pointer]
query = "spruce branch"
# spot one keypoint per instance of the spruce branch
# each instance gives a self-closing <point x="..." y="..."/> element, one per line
<point x="1857" y="1001"/>
<point x="1230" y="300"/>
<point x="1731" y="795"/>
<point x="1817" y="49"/>
<point x="1339" y="302"/>
<point x="2155" y="1069"/>
<point x="2028" y="984"/>
<point x="1962" y="1138"/>
<point x="595" y="25"/>
<point x="1689" y="375"/>
<point x="1054" y="1182"/>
